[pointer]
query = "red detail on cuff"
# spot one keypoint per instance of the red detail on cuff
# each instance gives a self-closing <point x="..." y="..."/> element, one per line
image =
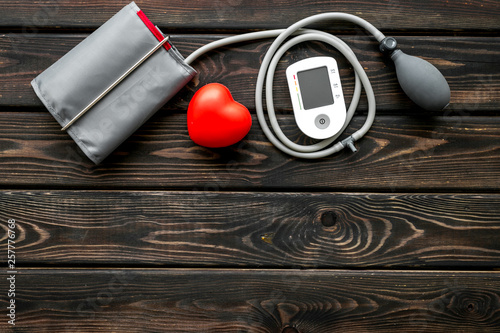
<point x="153" y="29"/>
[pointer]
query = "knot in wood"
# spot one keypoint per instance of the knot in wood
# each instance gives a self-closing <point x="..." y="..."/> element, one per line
<point x="328" y="219"/>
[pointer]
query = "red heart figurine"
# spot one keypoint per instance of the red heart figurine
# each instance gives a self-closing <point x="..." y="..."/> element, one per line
<point x="215" y="119"/>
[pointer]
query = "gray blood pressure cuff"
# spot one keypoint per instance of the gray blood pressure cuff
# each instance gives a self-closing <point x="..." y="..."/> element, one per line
<point x="90" y="68"/>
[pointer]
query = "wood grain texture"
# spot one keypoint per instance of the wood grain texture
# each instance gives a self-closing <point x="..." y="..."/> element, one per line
<point x="273" y="301"/>
<point x="450" y="153"/>
<point x="469" y="64"/>
<point x="169" y="236"/>
<point x="238" y="14"/>
<point x="218" y="229"/>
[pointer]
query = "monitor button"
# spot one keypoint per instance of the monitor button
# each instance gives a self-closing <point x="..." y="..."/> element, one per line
<point x="322" y="121"/>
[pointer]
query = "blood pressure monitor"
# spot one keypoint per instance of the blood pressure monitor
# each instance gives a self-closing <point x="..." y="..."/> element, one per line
<point x="317" y="97"/>
<point x="315" y="89"/>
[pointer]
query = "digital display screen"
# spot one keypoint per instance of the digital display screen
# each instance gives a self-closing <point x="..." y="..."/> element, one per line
<point x="315" y="87"/>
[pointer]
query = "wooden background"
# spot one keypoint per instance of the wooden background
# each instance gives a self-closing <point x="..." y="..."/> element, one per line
<point x="165" y="235"/>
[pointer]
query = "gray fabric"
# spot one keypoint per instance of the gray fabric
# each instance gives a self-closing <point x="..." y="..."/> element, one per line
<point x="76" y="79"/>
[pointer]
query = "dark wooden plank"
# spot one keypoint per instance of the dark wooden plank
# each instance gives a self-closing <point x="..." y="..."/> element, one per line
<point x="274" y="301"/>
<point x="469" y="64"/>
<point x="218" y="229"/>
<point x="237" y="14"/>
<point x="450" y="153"/>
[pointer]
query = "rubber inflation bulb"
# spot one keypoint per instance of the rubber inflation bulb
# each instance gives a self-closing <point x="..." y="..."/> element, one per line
<point x="421" y="81"/>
